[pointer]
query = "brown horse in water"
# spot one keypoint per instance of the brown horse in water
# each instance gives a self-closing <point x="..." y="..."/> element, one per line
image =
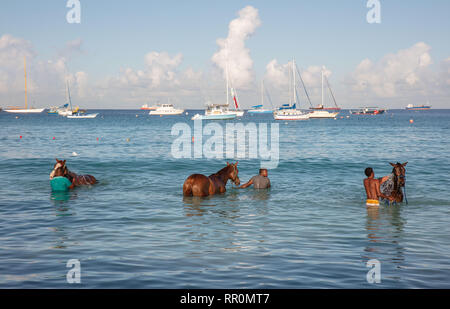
<point x="393" y="186"/>
<point x="60" y="169"/>
<point x="200" y="185"/>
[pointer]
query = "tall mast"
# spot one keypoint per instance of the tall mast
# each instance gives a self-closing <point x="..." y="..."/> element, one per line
<point x="68" y="92"/>
<point x="290" y="85"/>
<point x="25" y="71"/>
<point x="293" y="72"/>
<point x="262" y="92"/>
<point x="226" y="69"/>
<point x="322" y="87"/>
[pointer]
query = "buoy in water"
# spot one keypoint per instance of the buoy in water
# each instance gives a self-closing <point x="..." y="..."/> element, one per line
<point x="193" y="139"/>
<point x="128" y="139"/>
<point x="411" y="121"/>
<point x="20" y="137"/>
<point x="74" y="154"/>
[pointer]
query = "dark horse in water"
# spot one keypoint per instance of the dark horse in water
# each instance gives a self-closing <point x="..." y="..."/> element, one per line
<point x="200" y="185"/>
<point x="60" y="169"/>
<point x="393" y="186"/>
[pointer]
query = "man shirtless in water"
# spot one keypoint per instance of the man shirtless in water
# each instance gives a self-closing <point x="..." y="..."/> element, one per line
<point x="372" y="187"/>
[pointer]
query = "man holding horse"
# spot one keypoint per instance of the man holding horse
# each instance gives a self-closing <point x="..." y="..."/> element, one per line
<point x="260" y="181"/>
<point x="61" y="179"/>
<point x="372" y="186"/>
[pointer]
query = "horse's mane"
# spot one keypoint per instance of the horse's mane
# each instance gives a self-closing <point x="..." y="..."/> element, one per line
<point x="222" y="171"/>
<point x="395" y="178"/>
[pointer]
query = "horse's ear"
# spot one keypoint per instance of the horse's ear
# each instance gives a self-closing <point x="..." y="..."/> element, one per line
<point x="404" y="164"/>
<point x="57" y="160"/>
<point x="236" y="163"/>
<point x="392" y="164"/>
<point x="228" y="164"/>
<point x="64" y="162"/>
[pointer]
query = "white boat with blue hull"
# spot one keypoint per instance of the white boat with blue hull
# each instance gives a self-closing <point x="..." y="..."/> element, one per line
<point x="290" y="111"/>
<point x="216" y="112"/>
<point x="259" y="109"/>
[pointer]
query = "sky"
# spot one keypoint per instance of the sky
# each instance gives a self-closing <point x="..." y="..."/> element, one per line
<point x="124" y="54"/>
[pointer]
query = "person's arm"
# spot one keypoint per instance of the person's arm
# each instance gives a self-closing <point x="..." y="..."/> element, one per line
<point x="72" y="185"/>
<point x="248" y="184"/>
<point x="383" y="179"/>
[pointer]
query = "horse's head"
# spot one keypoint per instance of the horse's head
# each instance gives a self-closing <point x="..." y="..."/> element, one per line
<point x="399" y="172"/>
<point x="59" y="169"/>
<point x="233" y="173"/>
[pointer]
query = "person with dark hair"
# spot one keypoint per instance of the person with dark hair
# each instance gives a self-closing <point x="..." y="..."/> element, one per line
<point x="260" y="181"/>
<point x="372" y="187"/>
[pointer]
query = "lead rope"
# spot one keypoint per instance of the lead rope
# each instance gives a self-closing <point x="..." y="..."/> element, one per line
<point x="404" y="191"/>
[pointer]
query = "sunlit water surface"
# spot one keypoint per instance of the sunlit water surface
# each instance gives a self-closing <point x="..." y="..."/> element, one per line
<point x="311" y="230"/>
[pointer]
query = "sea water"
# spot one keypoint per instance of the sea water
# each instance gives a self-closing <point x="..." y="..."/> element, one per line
<point x="134" y="229"/>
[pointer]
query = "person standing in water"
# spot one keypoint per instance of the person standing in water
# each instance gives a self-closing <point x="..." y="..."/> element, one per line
<point x="260" y="181"/>
<point x="372" y="187"/>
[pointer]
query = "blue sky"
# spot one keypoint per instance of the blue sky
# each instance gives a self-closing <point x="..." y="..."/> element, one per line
<point x="118" y="34"/>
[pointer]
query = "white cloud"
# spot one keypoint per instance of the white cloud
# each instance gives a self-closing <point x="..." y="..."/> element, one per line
<point x="45" y="78"/>
<point x="232" y="52"/>
<point x="278" y="77"/>
<point x="394" y="73"/>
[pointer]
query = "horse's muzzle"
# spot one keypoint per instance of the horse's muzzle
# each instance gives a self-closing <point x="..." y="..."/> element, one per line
<point x="237" y="181"/>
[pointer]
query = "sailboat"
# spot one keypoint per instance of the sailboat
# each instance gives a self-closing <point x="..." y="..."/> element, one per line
<point x="77" y="115"/>
<point x="290" y="111"/>
<point x="232" y="91"/>
<point x="259" y="109"/>
<point x="25" y="110"/>
<point x="237" y="111"/>
<point x="67" y="110"/>
<point x="221" y="111"/>
<point x="321" y="111"/>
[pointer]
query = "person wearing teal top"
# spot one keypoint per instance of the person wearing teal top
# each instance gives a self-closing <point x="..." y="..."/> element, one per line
<point x="61" y="183"/>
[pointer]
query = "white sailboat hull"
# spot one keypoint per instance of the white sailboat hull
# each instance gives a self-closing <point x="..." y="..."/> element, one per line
<point x="166" y="113"/>
<point x="25" y="111"/>
<point x="322" y="115"/>
<point x="260" y="111"/>
<point x="89" y="116"/>
<point x="291" y="116"/>
<point x="237" y="113"/>
<point x="214" y="117"/>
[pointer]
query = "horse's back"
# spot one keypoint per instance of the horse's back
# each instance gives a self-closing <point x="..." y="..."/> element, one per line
<point x="85" y="180"/>
<point x="196" y="185"/>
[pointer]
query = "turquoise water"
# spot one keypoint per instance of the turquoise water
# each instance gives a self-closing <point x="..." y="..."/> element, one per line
<point x="311" y="230"/>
